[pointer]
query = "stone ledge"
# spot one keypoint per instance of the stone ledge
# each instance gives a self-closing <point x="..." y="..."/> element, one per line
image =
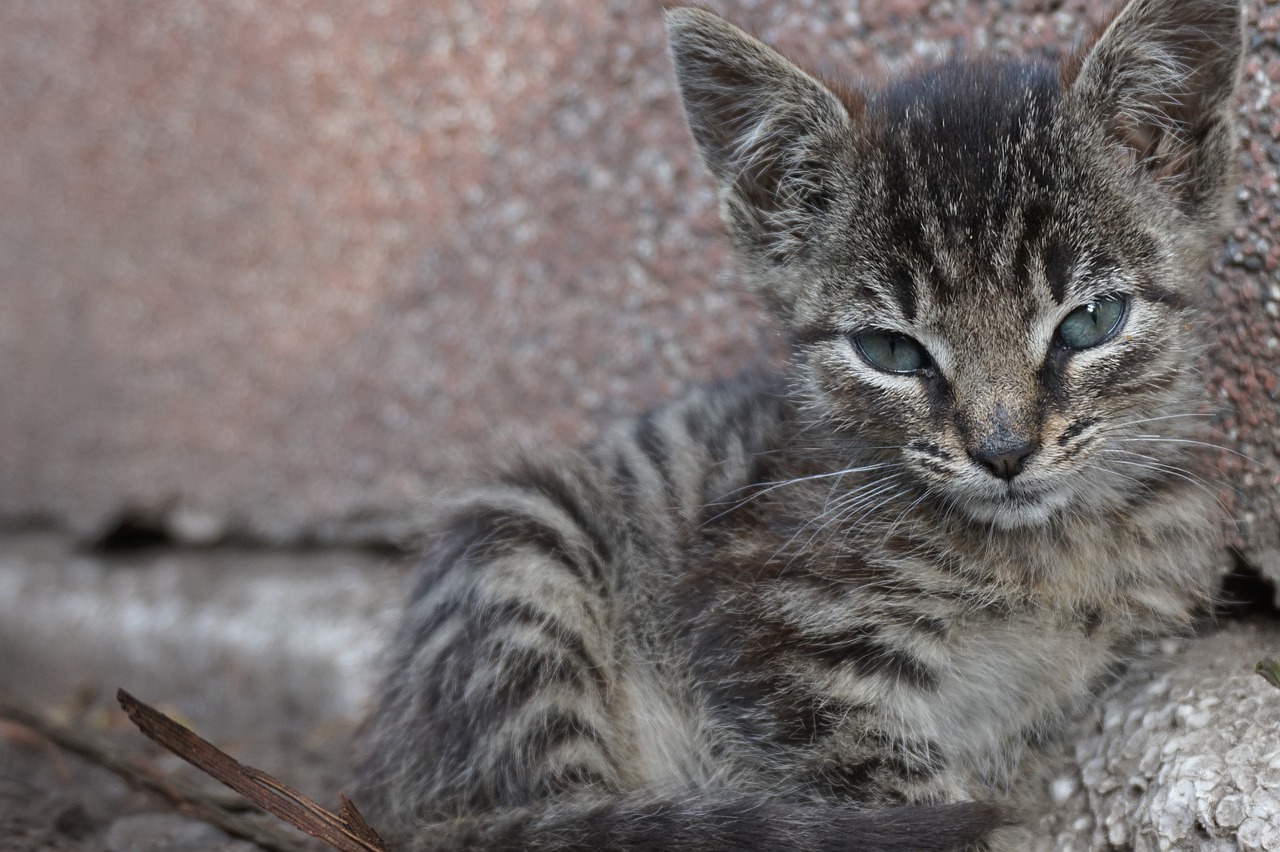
<point x="1185" y="756"/>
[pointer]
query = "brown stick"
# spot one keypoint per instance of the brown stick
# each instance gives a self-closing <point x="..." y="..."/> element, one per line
<point x="347" y="832"/>
<point x="183" y="795"/>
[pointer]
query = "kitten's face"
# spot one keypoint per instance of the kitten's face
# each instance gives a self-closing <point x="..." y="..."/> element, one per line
<point x="994" y="301"/>
<point x="988" y="268"/>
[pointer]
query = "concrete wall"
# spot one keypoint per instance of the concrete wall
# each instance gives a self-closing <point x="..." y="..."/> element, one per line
<point x="279" y="269"/>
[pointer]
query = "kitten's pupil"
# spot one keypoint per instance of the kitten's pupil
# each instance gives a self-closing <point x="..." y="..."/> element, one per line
<point x="1092" y="324"/>
<point x="891" y="352"/>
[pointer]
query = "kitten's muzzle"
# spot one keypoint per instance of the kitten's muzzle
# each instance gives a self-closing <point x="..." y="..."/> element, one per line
<point x="1004" y="459"/>
<point x="1001" y="442"/>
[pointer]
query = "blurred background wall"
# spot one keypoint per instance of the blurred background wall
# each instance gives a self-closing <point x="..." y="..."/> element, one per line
<point x="275" y="270"/>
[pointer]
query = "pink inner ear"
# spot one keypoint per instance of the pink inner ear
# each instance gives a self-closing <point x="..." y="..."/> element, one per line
<point x="1141" y="140"/>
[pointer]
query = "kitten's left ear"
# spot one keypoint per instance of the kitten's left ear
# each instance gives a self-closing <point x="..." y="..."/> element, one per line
<point x="767" y="132"/>
<point x="1160" y="79"/>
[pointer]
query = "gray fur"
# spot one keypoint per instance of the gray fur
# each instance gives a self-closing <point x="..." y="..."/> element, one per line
<point x="838" y="610"/>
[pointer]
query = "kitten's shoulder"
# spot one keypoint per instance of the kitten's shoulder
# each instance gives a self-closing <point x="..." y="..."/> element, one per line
<point x="682" y="459"/>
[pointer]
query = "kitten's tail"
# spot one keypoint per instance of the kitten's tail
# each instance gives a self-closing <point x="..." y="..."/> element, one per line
<point x="730" y="824"/>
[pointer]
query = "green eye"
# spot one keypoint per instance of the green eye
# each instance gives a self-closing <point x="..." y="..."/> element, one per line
<point x="891" y="352"/>
<point x="1091" y="324"/>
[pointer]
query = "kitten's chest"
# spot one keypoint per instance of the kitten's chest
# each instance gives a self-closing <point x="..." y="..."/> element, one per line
<point x="904" y="652"/>
<point x="965" y="707"/>
<point x="1011" y="682"/>
<point x="943" y="653"/>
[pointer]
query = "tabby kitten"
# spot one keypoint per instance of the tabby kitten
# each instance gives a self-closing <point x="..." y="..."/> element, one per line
<point x="834" y="611"/>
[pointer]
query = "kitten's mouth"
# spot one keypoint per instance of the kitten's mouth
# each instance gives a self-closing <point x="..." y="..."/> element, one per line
<point x="1018" y="507"/>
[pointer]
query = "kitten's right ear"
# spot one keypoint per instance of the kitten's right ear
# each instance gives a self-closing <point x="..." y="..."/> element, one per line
<point x="765" y="129"/>
<point x="1160" y="79"/>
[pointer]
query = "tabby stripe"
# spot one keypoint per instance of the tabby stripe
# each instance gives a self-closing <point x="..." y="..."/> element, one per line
<point x="568" y="777"/>
<point x="1034" y="217"/>
<point x="918" y="622"/>
<point x="890" y="759"/>
<point x="707" y="435"/>
<point x="553" y="489"/>
<point x="562" y="727"/>
<point x="1164" y="296"/>
<point x="653" y="445"/>
<point x="522" y="612"/>
<point x="1053" y="375"/>
<point x="930" y="449"/>
<point x="934" y="467"/>
<point x="903" y="289"/>
<point x="522" y="745"/>
<point x="1075" y="429"/>
<point x="436" y="635"/>
<point x="813" y="335"/>
<point x="814" y="718"/>
<point x="523" y="670"/>
<point x="1129" y="370"/>
<point x="861" y="648"/>
<point x="488" y="531"/>
<point x="531" y="736"/>
<point x="1059" y="268"/>
<point x="625" y="481"/>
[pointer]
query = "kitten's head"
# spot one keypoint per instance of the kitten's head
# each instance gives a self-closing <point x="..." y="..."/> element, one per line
<point x="990" y="265"/>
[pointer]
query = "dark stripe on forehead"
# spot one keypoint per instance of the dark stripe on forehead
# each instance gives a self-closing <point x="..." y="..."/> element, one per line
<point x="1059" y="266"/>
<point x="1034" y="217"/>
<point x="904" y="291"/>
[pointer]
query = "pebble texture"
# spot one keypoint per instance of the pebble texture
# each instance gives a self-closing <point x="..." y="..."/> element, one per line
<point x="279" y="270"/>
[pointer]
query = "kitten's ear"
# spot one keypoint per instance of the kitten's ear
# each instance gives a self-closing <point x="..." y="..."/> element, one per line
<point x="766" y="130"/>
<point x="1160" y="78"/>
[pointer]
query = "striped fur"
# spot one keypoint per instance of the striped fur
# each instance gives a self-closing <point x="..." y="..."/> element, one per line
<point x="837" y="610"/>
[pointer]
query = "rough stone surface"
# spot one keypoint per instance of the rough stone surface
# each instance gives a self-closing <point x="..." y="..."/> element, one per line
<point x="278" y="270"/>
<point x="1245" y="311"/>
<point x="261" y="631"/>
<point x="1185" y="757"/>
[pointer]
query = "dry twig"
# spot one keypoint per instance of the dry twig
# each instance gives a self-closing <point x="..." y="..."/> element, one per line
<point x="346" y="831"/>
<point x="183" y="795"/>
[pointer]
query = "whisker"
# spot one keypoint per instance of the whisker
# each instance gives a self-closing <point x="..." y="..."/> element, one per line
<point x="1207" y="444"/>
<point x="1179" y="416"/>
<point x="1174" y="472"/>
<point x="838" y="514"/>
<point x="773" y="486"/>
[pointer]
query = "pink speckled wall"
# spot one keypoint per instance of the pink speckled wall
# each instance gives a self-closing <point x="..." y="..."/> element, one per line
<point x="280" y="269"/>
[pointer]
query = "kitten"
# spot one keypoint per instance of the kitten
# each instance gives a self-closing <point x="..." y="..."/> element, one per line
<point x="834" y="611"/>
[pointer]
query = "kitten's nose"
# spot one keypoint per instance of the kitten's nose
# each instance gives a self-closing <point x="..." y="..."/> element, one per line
<point x="1004" y="460"/>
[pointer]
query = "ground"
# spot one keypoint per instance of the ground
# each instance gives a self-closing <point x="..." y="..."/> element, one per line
<point x="270" y="655"/>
